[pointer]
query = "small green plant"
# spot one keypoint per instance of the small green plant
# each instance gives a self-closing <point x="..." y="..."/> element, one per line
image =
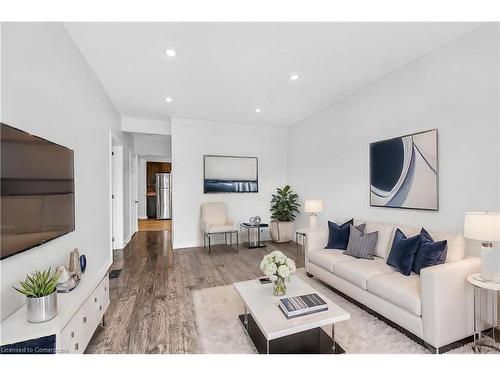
<point x="284" y="205"/>
<point x="39" y="284"/>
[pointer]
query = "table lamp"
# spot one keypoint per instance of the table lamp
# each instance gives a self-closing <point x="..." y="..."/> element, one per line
<point x="485" y="227"/>
<point x="313" y="207"/>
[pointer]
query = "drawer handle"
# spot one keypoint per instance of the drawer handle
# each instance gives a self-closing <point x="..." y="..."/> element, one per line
<point x="72" y="334"/>
<point x="95" y="299"/>
<point x="100" y="307"/>
<point x="85" y="319"/>
<point x="105" y="288"/>
<point x="76" y="346"/>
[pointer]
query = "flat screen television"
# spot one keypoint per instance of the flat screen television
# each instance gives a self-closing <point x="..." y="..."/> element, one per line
<point x="37" y="191"/>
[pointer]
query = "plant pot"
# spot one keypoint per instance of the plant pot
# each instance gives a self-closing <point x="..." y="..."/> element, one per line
<point x="282" y="231"/>
<point x="41" y="309"/>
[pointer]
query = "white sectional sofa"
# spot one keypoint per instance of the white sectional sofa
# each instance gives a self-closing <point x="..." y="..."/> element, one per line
<point x="435" y="306"/>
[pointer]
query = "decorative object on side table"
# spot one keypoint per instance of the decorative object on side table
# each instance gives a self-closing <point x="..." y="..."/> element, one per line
<point x="278" y="267"/>
<point x="313" y="207"/>
<point x="485" y="227"/>
<point x="284" y="207"/>
<point x="83" y="263"/>
<point x="74" y="263"/>
<point x="255" y="220"/>
<point x="41" y="295"/>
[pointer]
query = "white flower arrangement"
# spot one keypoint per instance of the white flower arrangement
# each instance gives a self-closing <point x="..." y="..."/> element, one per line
<point x="277" y="264"/>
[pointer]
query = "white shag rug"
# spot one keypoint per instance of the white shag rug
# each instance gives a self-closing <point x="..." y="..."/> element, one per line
<point x="221" y="332"/>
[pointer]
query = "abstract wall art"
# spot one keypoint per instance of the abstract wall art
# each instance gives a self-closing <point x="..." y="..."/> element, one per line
<point x="404" y="172"/>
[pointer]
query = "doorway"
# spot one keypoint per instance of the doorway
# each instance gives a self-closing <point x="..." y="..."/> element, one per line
<point x="158" y="203"/>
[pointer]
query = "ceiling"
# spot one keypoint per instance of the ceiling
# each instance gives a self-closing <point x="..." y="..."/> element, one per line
<point x="224" y="71"/>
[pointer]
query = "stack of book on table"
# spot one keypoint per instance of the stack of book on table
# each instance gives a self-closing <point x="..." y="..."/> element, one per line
<point x="302" y="305"/>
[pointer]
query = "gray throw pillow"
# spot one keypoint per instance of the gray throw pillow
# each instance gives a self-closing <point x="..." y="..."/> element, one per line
<point x="361" y="245"/>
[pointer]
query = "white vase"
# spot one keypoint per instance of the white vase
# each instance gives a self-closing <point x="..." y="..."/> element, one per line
<point x="282" y="231"/>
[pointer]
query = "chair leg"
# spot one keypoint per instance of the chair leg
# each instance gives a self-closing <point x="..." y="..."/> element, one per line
<point x="209" y="244"/>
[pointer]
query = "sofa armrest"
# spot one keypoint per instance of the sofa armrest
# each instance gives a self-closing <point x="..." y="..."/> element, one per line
<point x="448" y="301"/>
<point x="315" y="240"/>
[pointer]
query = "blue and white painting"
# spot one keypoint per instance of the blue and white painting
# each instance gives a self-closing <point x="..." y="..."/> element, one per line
<point x="404" y="172"/>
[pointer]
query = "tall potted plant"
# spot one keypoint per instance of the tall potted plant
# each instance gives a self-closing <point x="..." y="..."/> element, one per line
<point x="284" y="207"/>
<point x="41" y="295"/>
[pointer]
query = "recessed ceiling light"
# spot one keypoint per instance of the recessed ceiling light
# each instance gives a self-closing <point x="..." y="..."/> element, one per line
<point x="168" y="99"/>
<point x="294" y="77"/>
<point x="170" y="52"/>
<point x="257" y="110"/>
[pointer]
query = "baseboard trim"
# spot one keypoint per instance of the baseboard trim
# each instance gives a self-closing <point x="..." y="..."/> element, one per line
<point x="418" y="340"/>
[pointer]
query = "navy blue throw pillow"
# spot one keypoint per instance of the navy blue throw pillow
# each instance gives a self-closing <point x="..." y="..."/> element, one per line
<point x="429" y="253"/>
<point x="403" y="252"/>
<point x="338" y="235"/>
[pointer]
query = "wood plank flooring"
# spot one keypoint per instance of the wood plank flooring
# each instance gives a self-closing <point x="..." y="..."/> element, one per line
<point x="151" y="307"/>
<point x="154" y="225"/>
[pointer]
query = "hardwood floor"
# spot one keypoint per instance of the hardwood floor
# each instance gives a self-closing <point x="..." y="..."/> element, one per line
<point x="151" y="307"/>
<point x="154" y="225"/>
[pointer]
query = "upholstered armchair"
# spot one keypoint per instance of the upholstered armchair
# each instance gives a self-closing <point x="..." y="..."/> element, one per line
<point x="214" y="220"/>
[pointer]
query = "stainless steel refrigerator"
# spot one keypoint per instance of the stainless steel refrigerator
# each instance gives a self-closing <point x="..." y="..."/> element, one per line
<point x="163" y="196"/>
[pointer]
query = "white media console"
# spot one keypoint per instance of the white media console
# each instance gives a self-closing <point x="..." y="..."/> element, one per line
<point x="79" y="314"/>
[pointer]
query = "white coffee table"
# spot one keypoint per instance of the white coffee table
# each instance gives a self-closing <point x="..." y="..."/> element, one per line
<point x="271" y="332"/>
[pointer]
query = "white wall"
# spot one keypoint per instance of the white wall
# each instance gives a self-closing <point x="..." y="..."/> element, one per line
<point x="49" y="90"/>
<point x="139" y="125"/>
<point x="141" y="180"/>
<point x="191" y="139"/>
<point x="454" y="89"/>
<point x="153" y="145"/>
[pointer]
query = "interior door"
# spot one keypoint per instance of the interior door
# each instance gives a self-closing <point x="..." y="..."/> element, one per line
<point x="134" y="199"/>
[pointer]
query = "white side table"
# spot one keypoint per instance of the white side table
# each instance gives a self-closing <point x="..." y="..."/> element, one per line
<point x="492" y="289"/>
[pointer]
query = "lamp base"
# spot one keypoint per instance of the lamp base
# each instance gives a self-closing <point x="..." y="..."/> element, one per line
<point x="313" y="220"/>
<point x="490" y="262"/>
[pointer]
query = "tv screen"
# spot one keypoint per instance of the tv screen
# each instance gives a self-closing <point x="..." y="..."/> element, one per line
<point x="230" y="174"/>
<point x="37" y="191"/>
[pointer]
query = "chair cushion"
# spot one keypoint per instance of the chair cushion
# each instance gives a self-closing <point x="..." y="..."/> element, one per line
<point x="213" y="213"/>
<point x="403" y="252"/>
<point x="221" y="228"/>
<point x="360" y="270"/>
<point x="327" y="259"/>
<point x="402" y="291"/>
<point x="430" y="253"/>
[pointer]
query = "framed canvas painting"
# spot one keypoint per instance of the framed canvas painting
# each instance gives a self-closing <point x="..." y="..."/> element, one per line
<point x="404" y="172"/>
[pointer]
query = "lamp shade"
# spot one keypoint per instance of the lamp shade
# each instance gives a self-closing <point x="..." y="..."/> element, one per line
<point x="313" y="206"/>
<point x="483" y="226"/>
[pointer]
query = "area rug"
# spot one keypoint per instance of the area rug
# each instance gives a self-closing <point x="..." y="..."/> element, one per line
<point x="220" y="331"/>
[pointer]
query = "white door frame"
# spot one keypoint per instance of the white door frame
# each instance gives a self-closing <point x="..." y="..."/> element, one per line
<point x="117" y="232"/>
<point x="134" y="202"/>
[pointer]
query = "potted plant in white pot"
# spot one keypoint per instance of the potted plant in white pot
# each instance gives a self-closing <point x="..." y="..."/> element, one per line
<point x="284" y="207"/>
<point x="41" y="295"/>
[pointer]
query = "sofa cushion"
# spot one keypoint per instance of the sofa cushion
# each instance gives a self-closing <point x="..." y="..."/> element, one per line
<point x="403" y="252"/>
<point x="430" y="253"/>
<point x="456" y="244"/>
<point x="338" y="235"/>
<point x="403" y="291"/>
<point x="385" y="234"/>
<point x="360" y="270"/>
<point x="327" y="259"/>
<point x="361" y="245"/>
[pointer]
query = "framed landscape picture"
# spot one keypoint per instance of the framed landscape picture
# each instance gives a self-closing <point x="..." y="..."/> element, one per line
<point x="404" y="172"/>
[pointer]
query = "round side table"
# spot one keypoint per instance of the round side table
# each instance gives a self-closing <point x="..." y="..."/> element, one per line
<point x="481" y="337"/>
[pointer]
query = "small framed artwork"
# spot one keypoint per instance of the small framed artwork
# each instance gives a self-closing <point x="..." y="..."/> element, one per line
<point x="404" y="172"/>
